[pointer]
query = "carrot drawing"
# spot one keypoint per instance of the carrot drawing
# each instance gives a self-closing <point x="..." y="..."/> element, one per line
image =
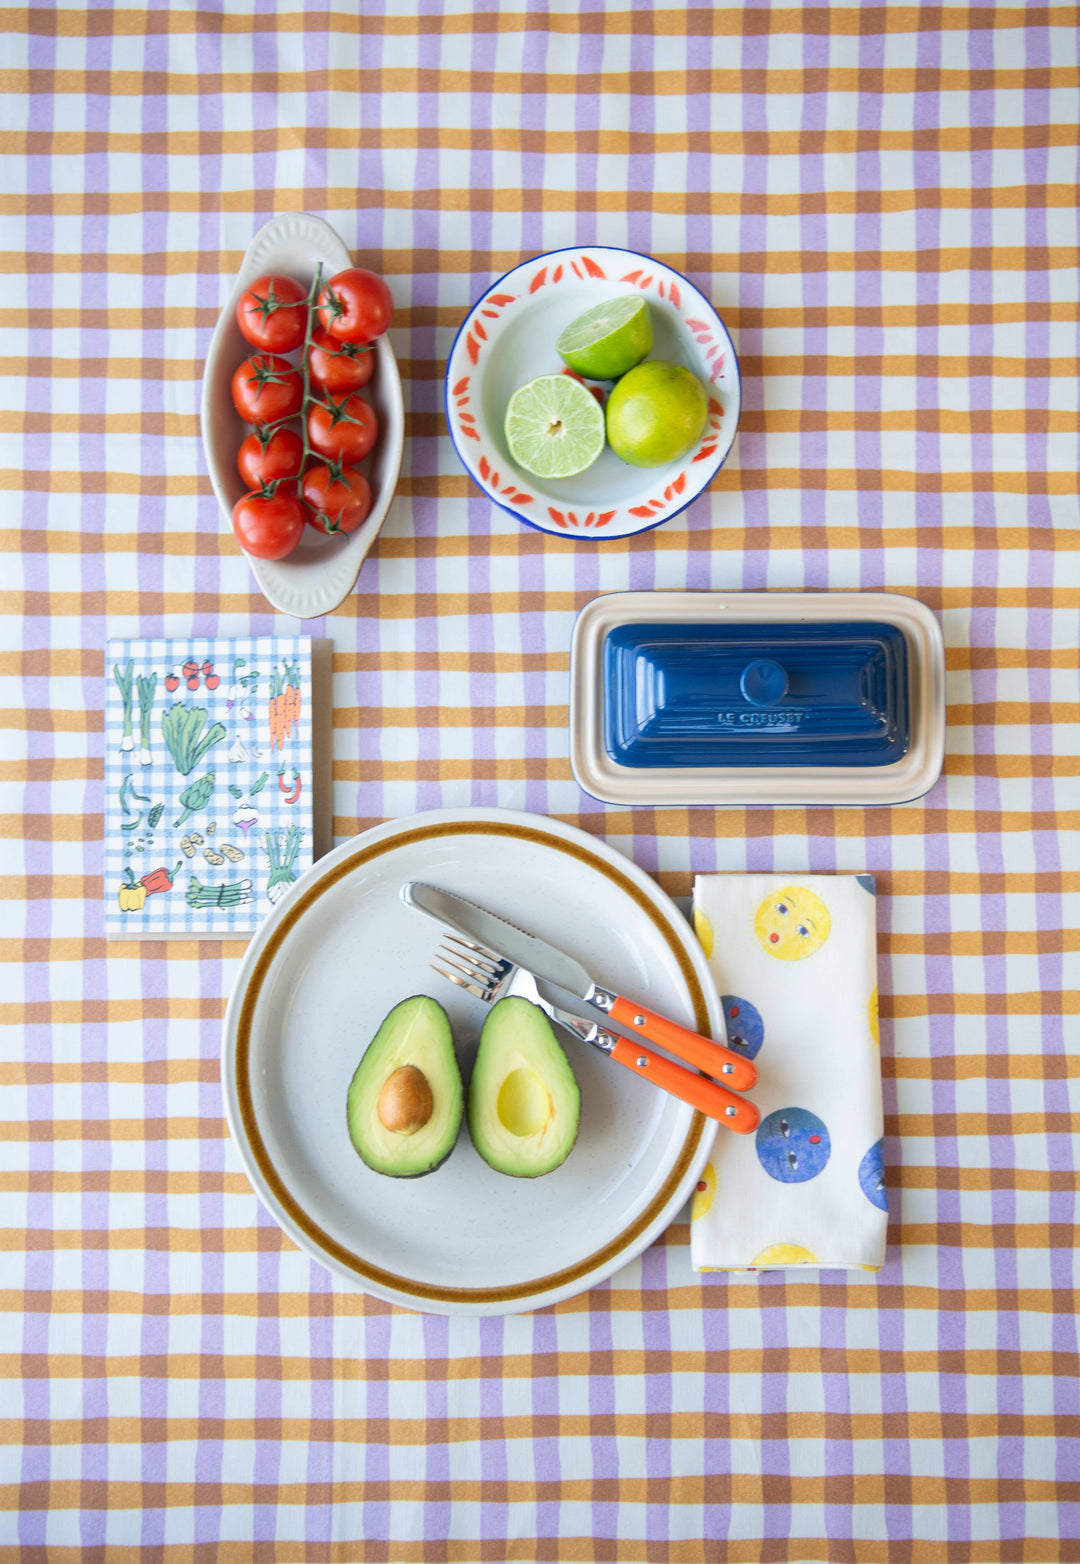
<point x="284" y="705"/>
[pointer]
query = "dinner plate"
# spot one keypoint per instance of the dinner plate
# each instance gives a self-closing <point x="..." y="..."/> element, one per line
<point x="320" y="572"/>
<point x="341" y="949"/>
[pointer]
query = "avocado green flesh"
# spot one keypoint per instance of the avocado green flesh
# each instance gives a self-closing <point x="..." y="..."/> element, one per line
<point x="524" y="1104"/>
<point x="416" y="1032"/>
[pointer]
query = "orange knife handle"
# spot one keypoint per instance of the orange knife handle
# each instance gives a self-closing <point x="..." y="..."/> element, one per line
<point x="735" y="1112"/>
<point x="732" y="1069"/>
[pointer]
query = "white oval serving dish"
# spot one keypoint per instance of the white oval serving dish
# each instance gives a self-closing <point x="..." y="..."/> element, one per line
<point x="509" y="337"/>
<point x="320" y="572"/>
<point x="341" y="949"/>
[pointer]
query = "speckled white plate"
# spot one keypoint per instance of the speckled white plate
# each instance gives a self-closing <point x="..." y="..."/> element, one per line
<point x="332" y="959"/>
<point x="509" y="337"/>
<point x="320" y="572"/>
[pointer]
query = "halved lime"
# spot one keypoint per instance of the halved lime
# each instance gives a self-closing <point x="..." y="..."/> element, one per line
<point x="554" y="427"/>
<point x="609" y="339"/>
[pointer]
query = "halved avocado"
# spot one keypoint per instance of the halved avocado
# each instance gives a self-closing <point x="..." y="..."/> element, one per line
<point x="406" y="1097"/>
<point x="524" y="1104"/>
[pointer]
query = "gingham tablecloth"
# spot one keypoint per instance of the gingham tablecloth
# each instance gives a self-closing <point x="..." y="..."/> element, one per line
<point x="882" y="204"/>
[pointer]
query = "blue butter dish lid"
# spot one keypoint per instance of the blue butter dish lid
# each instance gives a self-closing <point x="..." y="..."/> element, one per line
<point x="771" y="694"/>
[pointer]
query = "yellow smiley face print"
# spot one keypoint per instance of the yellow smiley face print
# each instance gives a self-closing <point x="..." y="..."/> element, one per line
<point x="792" y="924"/>
<point x="704" y="1194"/>
<point x="785" y="1254"/>
<point x="704" y="930"/>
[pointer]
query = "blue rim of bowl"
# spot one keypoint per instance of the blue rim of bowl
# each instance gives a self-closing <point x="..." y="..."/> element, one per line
<point x="581" y="537"/>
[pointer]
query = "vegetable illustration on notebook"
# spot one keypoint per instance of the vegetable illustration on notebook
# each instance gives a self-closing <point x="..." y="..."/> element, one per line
<point x="281" y="848"/>
<point x="146" y="687"/>
<point x="132" y="894"/>
<point x="123" y="683"/>
<point x="284" y="703"/>
<point x="188" y="724"/>
<point x="246" y="814"/>
<point x="182" y="728"/>
<point x="197" y="796"/>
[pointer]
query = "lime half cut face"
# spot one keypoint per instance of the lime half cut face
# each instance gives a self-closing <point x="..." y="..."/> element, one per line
<point x="554" y="427"/>
<point x="609" y="339"/>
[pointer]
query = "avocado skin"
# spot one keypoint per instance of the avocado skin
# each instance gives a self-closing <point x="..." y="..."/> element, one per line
<point x="518" y="1034"/>
<point x="429" y="1044"/>
<point x="423" y="1173"/>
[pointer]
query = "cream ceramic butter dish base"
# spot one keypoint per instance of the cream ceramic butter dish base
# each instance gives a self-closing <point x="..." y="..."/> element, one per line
<point x="715" y="698"/>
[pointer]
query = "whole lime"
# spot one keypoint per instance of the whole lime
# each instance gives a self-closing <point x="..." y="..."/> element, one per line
<point x="656" y="413"/>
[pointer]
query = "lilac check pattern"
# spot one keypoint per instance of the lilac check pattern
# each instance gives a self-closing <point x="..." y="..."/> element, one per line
<point x="881" y="202"/>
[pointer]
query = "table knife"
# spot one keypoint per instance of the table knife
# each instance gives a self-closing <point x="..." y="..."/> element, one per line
<point x="549" y="964"/>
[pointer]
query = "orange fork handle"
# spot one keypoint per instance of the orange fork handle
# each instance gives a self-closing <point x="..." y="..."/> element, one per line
<point x="716" y="1101"/>
<point x="734" y="1070"/>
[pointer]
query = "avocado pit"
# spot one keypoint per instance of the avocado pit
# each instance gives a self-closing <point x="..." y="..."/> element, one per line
<point x="405" y="1103"/>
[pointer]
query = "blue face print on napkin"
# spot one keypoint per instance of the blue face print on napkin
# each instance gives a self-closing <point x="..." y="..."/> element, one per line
<point x="792" y="1145"/>
<point x="872" y="1176"/>
<point x="745" y="1028"/>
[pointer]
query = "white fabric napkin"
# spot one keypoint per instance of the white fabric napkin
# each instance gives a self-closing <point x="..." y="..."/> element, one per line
<point x="795" y="959"/>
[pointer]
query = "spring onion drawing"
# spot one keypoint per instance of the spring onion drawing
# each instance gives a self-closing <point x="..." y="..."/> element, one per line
<point x="182" y="728"/>
<point x="197" y="796"/>
<point x="281" y="848"/>
<point x="123" y="681"/>
<point x="235" y="895"/>
<point x="146" y="688"/>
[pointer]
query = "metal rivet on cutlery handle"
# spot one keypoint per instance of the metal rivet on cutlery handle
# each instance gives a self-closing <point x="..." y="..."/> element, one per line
<point x="682" y="1041"/>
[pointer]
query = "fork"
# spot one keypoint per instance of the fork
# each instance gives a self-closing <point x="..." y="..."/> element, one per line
<point x="491" y="977"/>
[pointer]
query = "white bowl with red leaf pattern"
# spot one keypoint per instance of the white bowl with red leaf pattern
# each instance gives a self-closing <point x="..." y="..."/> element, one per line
<point x="509" y="337"/>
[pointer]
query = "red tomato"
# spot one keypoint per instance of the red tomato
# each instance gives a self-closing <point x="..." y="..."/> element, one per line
<point x="266" y="388"/>
<point x="355" y="306"/>
<point x="339" y="367"/>
<point x="344" y="431"/>
<point x="268" y="455"/>
<point x="268" y="526"/>
<point x="339" y="497"/>
<point x="272" y="314"/>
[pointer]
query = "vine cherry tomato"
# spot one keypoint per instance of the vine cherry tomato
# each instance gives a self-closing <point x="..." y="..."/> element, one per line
<point x="339" y="497"/>
<point x="269" y="526"/>
<point x="339" y="367"/>
<point x="270" y="454"/>
<point x="344" y="431"/>
<point x="266" y="388"/>
<point x="355" y="306"/>
<point x="272" y="314"/>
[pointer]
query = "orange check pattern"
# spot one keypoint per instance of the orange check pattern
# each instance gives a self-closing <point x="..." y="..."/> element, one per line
<point x="881" y="201"/>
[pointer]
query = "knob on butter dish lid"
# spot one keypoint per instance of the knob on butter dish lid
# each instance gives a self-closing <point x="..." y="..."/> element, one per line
<point x="777" y="697"/>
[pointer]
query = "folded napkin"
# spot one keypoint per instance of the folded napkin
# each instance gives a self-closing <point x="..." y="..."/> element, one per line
<point x="795" y="960"/>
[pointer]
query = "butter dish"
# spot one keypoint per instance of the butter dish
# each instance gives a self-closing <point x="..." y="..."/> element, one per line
<point x="699" y="698"/>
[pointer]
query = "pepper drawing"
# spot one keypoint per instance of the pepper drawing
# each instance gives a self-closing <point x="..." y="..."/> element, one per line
<point x="159" y="880"/>
<point x="132" y="894"/>
<point x="290" y="797"/>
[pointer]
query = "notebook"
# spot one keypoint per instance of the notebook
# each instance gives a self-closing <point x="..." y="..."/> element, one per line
<point x="208" y="783"/>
